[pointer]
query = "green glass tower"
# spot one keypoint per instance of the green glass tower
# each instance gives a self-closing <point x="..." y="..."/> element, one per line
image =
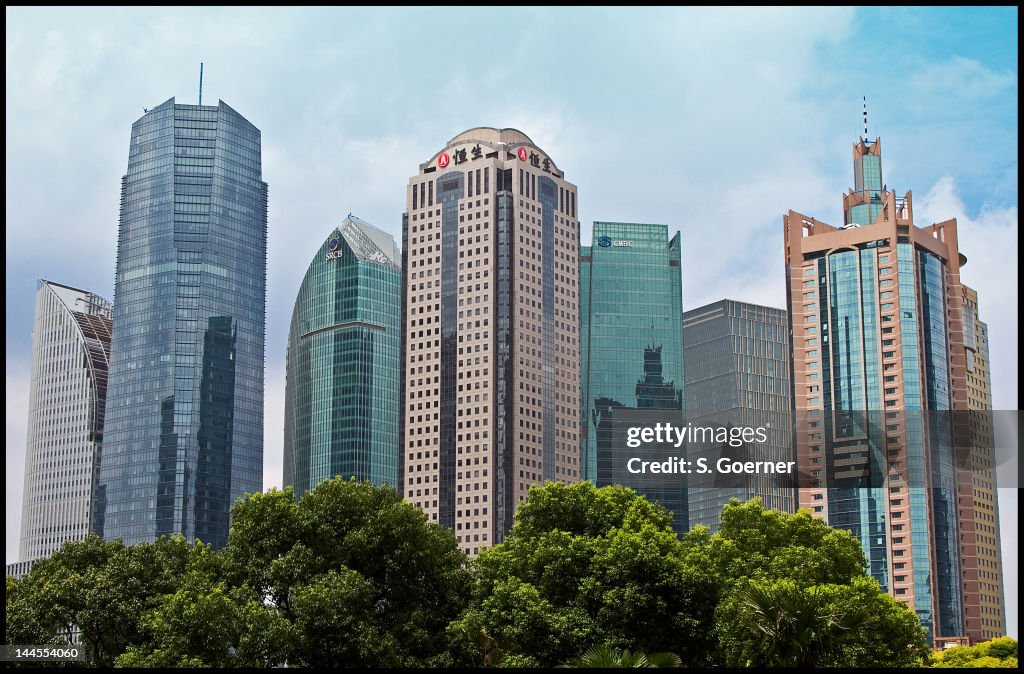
<point x="631" y="352"/>
<point x="342" y="371"/>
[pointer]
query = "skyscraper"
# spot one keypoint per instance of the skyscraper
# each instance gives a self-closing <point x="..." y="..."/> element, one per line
<point x="737" y="374"/>
<point x="70" y="353"/>
<point x="631" y="345"/>
<point x="341" y="395"/>
<point x="878" y="365"/>
<point x="982" y="552"/>
<point x="490" y="399"/>
<point x="184" y="433"/>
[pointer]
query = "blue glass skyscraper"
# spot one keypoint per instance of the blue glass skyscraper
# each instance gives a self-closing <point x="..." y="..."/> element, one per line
<point x="184" y="430"/>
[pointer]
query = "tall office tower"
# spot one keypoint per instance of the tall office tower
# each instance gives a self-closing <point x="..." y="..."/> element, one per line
<point x="878" y="365"/>
<point x="70" y="353"/>
<point x="737" y="375"/>
<point x="184" y="434"/>
<point x="978" y="484"/>
<point x="631" y="346"/>
<point x="342" y="368"/>
<point x="490" y="392"/>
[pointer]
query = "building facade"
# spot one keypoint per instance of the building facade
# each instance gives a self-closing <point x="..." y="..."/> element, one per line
<point x="20" y="569"/>
<point x="631" y="346"/>
<point x="738" y="374"/>
<point x="878" y="368"/>
<point x="342" y="367"/>
<point x="67" y="395"/>
<point x="978" y="497"/>
<point x="184" y="436"/>
<point x="490" y="391"/>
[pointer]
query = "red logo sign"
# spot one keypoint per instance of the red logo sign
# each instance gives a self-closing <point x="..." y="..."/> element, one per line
<point x="522" y="154"/>
<point x="443" y="160"/>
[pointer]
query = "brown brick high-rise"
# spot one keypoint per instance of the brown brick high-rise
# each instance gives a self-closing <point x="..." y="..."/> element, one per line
<point x="880" y="391"/>
<point x="490" y="382"/>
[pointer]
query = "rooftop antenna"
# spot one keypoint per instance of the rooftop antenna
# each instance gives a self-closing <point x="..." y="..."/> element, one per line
<point x="865" y="118"/>
<point x="201" y="86"/>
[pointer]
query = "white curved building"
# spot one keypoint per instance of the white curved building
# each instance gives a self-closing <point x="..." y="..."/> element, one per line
<point x="70" y="353"/>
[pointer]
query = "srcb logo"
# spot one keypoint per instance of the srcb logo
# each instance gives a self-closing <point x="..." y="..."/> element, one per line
<point x="335" y="252"/>
<point x="604" y="241"/>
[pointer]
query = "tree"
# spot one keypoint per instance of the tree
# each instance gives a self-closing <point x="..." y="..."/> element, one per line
<point x="796" y="627"/>
<point x="999" y="652"/>
<point x="23" y="620"/>
<point x="757" y="542"/>
<point x="100" y="589"/>
<point x="206" y="623"/>
<point x="351" y="559"/>
<point x="585" y="566"/>
<point x="604" y="656"/>
<point x="794" y="592"/>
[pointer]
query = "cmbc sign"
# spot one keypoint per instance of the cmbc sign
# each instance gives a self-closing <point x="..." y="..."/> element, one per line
<point x="608" y="242"/>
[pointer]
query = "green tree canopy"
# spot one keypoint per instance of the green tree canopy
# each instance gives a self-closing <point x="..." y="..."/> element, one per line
<point x="350" y="559"/>
<point x="581" y="567"/>
<point x="205" y="622"/>
<point x="101" y="588"/>
<point x="999" y="652"/>
<point x="794" y="592"/>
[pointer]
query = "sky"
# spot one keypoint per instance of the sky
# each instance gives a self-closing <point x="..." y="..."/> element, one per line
<point x="715" y="121"/>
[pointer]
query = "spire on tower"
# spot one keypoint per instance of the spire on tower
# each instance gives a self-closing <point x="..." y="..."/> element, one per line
<point x="865" y="118"/>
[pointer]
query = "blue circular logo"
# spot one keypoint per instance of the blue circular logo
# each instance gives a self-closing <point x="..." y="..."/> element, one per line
<point x="604" y="241"/>
<point x="334" y="243"/>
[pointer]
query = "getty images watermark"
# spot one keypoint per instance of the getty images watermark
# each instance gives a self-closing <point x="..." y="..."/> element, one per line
<point x="659" y="448"/>
<point x="667" y="435"/>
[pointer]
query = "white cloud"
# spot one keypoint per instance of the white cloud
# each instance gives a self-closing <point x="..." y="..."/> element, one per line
<point x="971" y="81"/>
<point x="989" y="239"/>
